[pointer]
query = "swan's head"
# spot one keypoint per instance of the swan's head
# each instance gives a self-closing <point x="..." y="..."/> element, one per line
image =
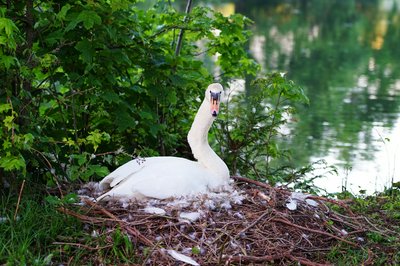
<point x="214" y="94"/>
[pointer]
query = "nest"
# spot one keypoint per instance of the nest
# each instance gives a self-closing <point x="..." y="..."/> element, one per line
<point x="253" y="223"/>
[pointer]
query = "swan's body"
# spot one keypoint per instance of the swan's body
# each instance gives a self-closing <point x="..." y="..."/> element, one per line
<point x="164" y="177"/>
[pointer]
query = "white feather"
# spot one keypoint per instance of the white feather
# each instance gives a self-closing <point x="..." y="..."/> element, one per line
<point x="181" y="257"/>
<point x="191" y="216"/>
<point x="154" y="210"/>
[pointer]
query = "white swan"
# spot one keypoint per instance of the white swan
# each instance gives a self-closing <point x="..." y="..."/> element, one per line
<point x="164" y="177"/>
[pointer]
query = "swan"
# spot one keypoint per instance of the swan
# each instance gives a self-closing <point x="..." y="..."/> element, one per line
<point x="164" y="176"/>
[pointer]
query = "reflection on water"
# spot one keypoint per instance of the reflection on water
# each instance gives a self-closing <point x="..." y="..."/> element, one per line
<point x="346" y="56"/>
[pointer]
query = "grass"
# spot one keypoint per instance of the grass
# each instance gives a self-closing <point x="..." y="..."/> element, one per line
<point x="383" y="210"/>
<point x="41" y="235"/>
<point x="28" y="239"/>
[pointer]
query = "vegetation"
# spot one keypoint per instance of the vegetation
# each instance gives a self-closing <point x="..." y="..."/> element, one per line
<point x="87" y="85"/>
<point x="82" y="80"/>
<point x="251" y="123"/>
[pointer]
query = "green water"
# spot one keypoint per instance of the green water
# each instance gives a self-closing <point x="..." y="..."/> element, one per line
<point x="346" y="56"/>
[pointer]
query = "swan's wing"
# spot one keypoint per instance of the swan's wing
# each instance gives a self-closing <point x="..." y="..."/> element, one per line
<point x="134" y="166"/>
<point x="161" y="178"/>
<point x="156" y="177"/>
<point x="122" y="172"/>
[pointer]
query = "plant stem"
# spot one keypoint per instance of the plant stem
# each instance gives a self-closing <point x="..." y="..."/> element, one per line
<point x="19" y="200"/>
<point x="270" y="132"/>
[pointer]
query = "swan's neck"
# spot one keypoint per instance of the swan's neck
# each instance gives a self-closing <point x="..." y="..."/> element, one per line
<point x="198" y="141"/>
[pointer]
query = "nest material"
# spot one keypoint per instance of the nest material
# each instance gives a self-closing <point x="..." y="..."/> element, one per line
<point x="257" y="226"/>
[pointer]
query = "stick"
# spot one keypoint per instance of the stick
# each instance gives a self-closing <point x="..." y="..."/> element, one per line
<point x="337" y="202"/>
<point x="81" y="216"/>
<point x="19" y="200"/>
<point x="247" y="259"/>
<point x="252" y="224"/>
<point x="82" y="245"/>
<point x="180" y="38"/>
<point x="257" y="183"/>
<point x="123" y="224"/>
<point x="314" y="231"/>
<point x="255" y="259"/>
<point x="305" y="261"/>
<point x="50" y="167"/>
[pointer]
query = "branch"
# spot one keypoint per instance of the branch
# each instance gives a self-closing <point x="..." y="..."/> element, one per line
<point x="180" y="38"/>
<point x="123" y="224"/>
<point x="258" y="183"/>
<point x="315" y="231"/>
<point x="255" y="259"/>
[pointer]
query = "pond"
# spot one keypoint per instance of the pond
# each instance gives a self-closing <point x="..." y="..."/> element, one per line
<point x="346" y="56"/>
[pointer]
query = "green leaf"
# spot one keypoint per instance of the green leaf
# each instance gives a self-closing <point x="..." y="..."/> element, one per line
<point x="111" y="97"/>
<point x="5" y="107"/>
<point x="74" y="172"/>
<point x="44" y="106"/>
<point x="28" y="138"/>
<point x="119" y="5"/>
<point x="89" y="18"/>
<point x="9" y="122"/>
<point x="124" y="121"/>
<point x="86" y="49"/>
<point x="94" y="138"/>
<point x="99" y="170"/>
<point x="7" y="60"/>
<point x="53" y="200"/>
<point x="8" y="26"/>
<point x="11" y="162"/>
<point x="63" y="12"/>
<point x="70" y="198"/>
<point x="7" y="144"/>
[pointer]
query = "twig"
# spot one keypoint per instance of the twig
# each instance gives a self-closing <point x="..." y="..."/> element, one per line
<point x="337" y="202"/>
<point x="180" y="37"/>
<point x="370" y="259"/>
<point x="315" y="231"/>
<point x="79" y="245"/>
<point x="123" y="224"/>
<point x="50" y="170"/>
<point x="305" y="261"/>
<point x="81" y="216"/>
<point x="12" y="114"/>
<point x="252" y="224"/>
<point x="19" y="200"/>
<point x="255" y="259"/>
<point x="257" y="183"/>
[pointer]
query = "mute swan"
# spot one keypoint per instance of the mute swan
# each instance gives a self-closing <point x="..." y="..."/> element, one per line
<point x="165" y="177"/>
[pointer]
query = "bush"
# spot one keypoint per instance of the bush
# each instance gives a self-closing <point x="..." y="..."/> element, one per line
<point x="251" y="124"/>
<point x="80" y="80"/>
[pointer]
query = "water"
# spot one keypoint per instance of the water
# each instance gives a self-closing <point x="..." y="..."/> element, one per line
<point x="346" y="56"/>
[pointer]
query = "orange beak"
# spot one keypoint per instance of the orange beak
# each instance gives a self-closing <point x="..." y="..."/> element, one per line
<point x="215" y="100"/>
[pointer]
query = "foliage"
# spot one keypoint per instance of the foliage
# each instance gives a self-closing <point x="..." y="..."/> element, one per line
<point x="79" y="80"/>
<point x="251" y="123"/>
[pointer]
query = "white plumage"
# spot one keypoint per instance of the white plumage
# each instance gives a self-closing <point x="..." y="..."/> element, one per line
<point x="165" y="177"/>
